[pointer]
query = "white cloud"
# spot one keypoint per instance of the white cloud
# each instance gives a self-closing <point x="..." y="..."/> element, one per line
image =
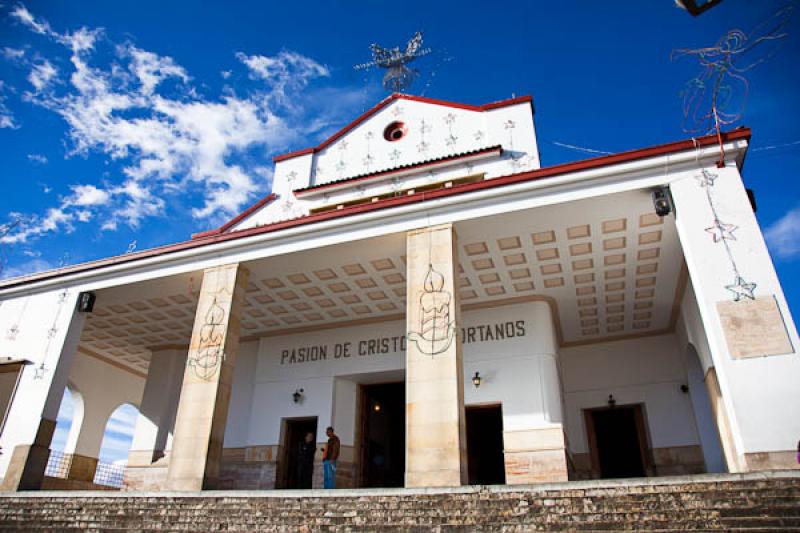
<point x="168" y="139"/>
<point x="38" y="158"/>
<point x="6" y="117"/>
<point x="84" y="195"/>
<point x="783" y="235"/>
<point x="42" y="74"/>
<point x="151" y="69"/>
<point x="22" y="14"/>
<point x="13" y="54"/>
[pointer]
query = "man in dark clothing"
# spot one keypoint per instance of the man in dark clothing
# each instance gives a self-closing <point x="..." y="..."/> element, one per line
<point x="305" y="461"/>
<point x="329" y="456"/>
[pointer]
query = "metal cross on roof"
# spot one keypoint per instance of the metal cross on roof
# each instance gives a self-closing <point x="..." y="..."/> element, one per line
<point x="398" y="76"/>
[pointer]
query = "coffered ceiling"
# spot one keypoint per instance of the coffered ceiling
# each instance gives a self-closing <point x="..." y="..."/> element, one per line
<point x="608" y="266"/>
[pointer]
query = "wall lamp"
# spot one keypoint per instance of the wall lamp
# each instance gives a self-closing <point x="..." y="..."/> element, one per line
<point x="662" y="201"/>
<point x="297" y="395"/>
<point x="611" y="401"/>
<point x="476" y="379"/>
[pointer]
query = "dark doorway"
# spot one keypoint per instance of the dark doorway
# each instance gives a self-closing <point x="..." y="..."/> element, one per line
<point x="618" y="441"/>
<point x="485" y="463"/>
<point x="294" y="431"/>
<point x="383" y="459"/>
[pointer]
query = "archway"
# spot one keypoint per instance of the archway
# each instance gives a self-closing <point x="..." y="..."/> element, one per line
<point x="115" y="446"/>
<point x="68" y="427"/>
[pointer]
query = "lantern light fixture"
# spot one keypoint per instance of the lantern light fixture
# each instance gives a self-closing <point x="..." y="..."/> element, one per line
<point x="611" y="401"/>
<point x="476" y="379"/>
<point x="297" y="395"/>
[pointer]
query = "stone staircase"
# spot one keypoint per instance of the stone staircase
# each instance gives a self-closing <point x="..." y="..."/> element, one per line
<point x="768" y="501"/>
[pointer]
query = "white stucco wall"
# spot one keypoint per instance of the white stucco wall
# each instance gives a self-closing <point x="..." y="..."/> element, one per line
<point x="510" y="368"/>
<point x="648" y="370"/>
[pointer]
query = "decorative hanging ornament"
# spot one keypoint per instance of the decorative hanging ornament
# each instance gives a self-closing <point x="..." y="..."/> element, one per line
<point x="742" y="289"/>
<point x="706" y="178"/>
<point x="722" y="231"/>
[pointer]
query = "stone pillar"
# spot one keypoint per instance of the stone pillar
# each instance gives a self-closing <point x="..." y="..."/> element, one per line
<point x="86" y="437"/>
<point x="435" y="422"/>
<point x="720" y="415"/>
<point x="156" y="420"/>
<point x="751" y="336"/>
<point x="47" y="335"/>
<point x="535" y="447"/>
<point x="203" y="409"/>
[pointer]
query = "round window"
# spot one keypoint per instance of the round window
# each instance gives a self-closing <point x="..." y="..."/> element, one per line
<point x="394" y="131"/>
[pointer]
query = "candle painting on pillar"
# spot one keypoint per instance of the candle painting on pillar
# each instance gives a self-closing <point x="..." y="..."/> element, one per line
<point x="436" y="329"/>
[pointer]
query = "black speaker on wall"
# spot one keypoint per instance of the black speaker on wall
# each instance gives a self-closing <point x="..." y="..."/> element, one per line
<point x="86" y="302"/>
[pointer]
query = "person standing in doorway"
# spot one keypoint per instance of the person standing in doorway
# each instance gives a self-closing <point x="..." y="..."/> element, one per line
<point x="305" y="461"/>
<point x="329" y="456"/>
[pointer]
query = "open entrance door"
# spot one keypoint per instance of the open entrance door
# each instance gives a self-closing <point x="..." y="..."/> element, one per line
<point x="294" y="432"/>
<point x="618" y="441"/>
<point x="383" y="435"/>
<point x="485" y="464"/>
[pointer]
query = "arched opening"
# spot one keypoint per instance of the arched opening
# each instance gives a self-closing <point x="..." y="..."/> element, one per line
<point x="65" y="435"/>
<point x="703" y="414"/>
<point x="116" y="444"/>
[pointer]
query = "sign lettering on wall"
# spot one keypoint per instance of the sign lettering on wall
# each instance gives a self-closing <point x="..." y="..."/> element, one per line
<point x="386" y="345"/>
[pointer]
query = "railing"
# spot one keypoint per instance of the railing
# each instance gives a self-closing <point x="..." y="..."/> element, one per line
<point x="110" y="475"/>
<point x="107" y="474"/>
<point x="58" y="464"/>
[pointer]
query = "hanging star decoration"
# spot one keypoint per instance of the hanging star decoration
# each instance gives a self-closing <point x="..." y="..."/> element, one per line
<point x="742" y="289"/>
<point x="706" y="178"/>
<point x="721" y="231"/>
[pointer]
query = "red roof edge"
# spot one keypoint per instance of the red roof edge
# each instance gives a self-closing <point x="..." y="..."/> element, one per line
<point x="238" y="218"/>
<point x="391" y="98"/>
<point x="546" y="172"/>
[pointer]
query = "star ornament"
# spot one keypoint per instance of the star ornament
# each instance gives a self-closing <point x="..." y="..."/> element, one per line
<point x="706" y="178"/>
<point x="741" y="289"/>
<point x="722" y="231"/>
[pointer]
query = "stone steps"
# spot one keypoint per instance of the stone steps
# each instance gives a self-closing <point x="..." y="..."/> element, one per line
<point x="750" y="502"/>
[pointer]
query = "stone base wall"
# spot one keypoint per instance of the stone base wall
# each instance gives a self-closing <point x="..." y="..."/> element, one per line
<point x="678" y="460"/>
<point x="57" y="483"/>
<point x="249" y="468"/>
<point x="535" y="456"/>
<point x="144" y="474"/>
<point x="667" y="461"/>
<point x="785" y="460"/>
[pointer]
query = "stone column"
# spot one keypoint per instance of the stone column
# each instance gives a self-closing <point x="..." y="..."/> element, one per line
<point x="751" y="336"/>
<point x="156" y="420"/>
<point x="83" y="445"/>
<point x="435" y="429"/>
<point x="535" y="447"/>
<point x="47" y="335"/>
<point x="203" y="409"/>
<point x="720" y="415"/>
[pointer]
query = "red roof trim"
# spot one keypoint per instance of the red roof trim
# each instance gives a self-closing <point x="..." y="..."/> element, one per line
<point x="411" y="166"/>
<point x="597" y="162"/>
<point x="238" y="218"/>
<point x="391" y="98"/>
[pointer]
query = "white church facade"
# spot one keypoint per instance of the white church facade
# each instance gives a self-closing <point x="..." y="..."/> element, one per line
<point x="457" y="312"/>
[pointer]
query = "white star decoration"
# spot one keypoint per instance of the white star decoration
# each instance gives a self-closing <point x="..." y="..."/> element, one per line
<point x="449" y="118"/>
<point x="722" y="231"/>
<point x="510" y="125"/>
<point x="741" y="289"/>
<point x="394" y="155"/>
<point x="291" y="176"/>
<point x="706" y="178"/>
<point x="478" y="135"/>
<point x="39" y="372"/>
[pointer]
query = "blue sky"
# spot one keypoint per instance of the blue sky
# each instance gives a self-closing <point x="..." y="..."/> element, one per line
<point x="137" y="123"/>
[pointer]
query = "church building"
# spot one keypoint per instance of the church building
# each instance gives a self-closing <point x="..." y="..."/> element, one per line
<point x="457" y="312"/>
